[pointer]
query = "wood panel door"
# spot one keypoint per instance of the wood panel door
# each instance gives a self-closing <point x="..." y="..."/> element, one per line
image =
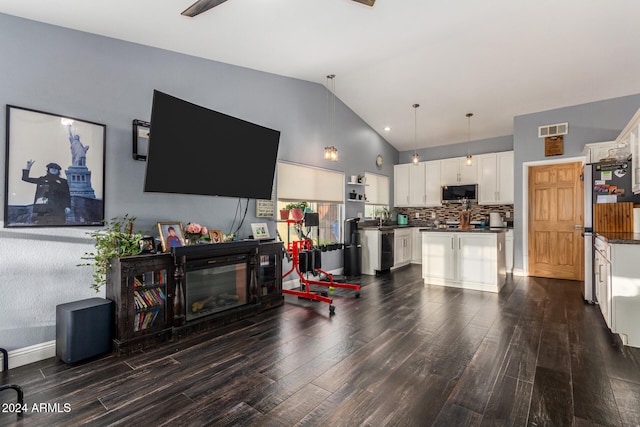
<point x="555" y="221"/>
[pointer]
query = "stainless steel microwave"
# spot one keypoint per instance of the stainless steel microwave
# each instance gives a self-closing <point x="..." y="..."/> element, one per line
<point x="455" y="193"/>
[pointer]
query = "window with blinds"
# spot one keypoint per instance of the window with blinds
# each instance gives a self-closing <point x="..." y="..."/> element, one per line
<point x="323" y="189"/>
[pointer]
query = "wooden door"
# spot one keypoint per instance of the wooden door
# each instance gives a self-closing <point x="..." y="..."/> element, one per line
<point x="555" y="221"/>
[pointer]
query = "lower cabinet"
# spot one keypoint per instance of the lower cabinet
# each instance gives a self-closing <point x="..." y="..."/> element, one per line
<point x="416" y="246"/>
<point x="470" y="260"/>
<point x="508" y="251"/>
<point x="402" y="240"/>
<point x="625" y="293"/>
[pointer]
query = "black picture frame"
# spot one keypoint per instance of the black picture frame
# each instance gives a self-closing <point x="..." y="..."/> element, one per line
<point x="38" y="143"/>
<point x="148" y="245"/>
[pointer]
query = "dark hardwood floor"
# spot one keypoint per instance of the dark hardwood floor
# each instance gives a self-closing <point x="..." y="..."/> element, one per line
<point x="403" y="354"/>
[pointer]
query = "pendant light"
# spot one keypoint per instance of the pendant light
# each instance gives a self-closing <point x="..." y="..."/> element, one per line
<point x="416" y="157"/>
<point x="469" y="157"/>
<point x="331" y="152"/>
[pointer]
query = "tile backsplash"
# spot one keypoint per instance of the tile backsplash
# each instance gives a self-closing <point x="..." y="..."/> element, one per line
<point x="451" y="212"/>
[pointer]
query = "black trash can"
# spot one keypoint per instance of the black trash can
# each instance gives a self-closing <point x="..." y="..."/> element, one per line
<point x="352" y="249"/>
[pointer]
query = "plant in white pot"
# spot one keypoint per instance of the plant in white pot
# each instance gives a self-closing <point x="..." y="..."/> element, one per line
<point x="114" y="241"/>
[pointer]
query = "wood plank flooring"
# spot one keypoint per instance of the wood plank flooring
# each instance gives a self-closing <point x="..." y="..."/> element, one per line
<point x="403" y="354"/>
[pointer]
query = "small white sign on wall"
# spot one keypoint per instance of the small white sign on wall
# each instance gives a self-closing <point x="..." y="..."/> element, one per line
<point x="264" y="209"/>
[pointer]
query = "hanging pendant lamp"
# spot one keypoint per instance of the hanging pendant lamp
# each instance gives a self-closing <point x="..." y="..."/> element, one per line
<point x="416" y="157"/>
<point x="331" y="152"/>
<point x="469" y="157"/>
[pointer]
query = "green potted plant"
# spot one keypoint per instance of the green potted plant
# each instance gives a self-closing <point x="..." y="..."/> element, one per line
<point x="297" y="209"/>
<point x="114" y="241"/>
<point x="353" y="195"/>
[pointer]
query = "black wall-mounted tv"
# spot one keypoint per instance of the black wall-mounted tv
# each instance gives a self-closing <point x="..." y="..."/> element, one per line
<point x="195" y="150"/>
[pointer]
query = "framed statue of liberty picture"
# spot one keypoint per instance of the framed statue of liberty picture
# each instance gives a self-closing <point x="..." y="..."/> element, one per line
<point x="54" y="170"/>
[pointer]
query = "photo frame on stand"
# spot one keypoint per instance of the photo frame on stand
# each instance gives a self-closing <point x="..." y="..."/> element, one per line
<point x="54" y="170"/>
<point x="260" y="231"/>
<point x="171" y="235"/>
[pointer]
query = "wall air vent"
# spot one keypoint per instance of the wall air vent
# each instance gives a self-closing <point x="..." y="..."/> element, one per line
<point x="553" y="130"/>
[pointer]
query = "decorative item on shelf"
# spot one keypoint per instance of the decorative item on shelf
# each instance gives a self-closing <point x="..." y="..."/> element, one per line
<point x="465" y="214"/>
<point x="331" y="152"/>
<point x="361" y="179"/>
<point x="216" y="236"/>
<point x="117" y="240"/>
<point x="353" y="195"/>
<point x="416" y="157"/>
<point x="195" y="233"/>
<point x="469" y="157"/>
<point x="297" y="210"/>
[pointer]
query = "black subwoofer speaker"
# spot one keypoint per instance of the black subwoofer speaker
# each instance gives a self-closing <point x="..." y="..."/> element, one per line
<point x="83" y="329"/>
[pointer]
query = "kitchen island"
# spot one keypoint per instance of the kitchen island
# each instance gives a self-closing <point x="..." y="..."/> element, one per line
<point x="469" y="259"/>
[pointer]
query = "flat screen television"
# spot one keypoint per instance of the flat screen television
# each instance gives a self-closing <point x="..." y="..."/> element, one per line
<point x="195" y="150"/>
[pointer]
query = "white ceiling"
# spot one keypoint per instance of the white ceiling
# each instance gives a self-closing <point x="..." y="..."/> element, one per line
<point x="495" y="58"/>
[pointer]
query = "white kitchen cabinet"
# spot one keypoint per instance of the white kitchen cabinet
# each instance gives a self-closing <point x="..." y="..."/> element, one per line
<point x="495" y="178"/>
<point x="625" y="293"/>
<point x="371" y="248"/>
<point x="617" y="286"/>
<point x="416" y="246"/>
<point x="455" y="171"/>
<point x="602" y="276"/>
<point x="508" y="251"/>
<point x="401" y="178"/>
<point x="469" y="260"/>
<point x="597" y="151"/>
<point x="432" y="183"/>
<point x="402" y="239"/>
<point x="409" y="184"/>
<point x="629" y="136"/>
<point x="417" y="184"/>
<point x="377" y="189"/>
<point x="438" y="257"/>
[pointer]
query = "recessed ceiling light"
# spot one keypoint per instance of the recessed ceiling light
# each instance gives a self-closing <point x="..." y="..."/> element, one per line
<point x="387" y="128"/>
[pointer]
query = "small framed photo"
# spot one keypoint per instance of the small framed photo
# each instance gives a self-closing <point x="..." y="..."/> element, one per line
<point x="148" y="245"/>
<point x="171" y="235"/>
<point x="216" y="236"/>
<point x="260" y="231"/>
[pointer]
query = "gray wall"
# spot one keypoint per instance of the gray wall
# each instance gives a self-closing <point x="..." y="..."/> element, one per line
<point x="593" y="122"/>
<point x="108" y="81"/>
<point x="480" y="146"/>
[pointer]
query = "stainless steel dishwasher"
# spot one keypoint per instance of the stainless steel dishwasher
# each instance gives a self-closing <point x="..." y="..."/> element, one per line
<point x="386" y="249"/>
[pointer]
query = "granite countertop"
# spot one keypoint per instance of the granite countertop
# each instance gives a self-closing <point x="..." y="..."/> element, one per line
<point x="621" y="238"/>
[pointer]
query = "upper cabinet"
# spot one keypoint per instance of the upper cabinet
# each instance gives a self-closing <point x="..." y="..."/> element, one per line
<point x="417" y="185"/>
<point x="377" y="188"/>
<point x="432" y="183"/>
<point x="495" y="178"/>
<point x="420" y="185"/>
<point x="629" y="136"/>
<point x="456" y="172"/>
<point x="401" y="184"/>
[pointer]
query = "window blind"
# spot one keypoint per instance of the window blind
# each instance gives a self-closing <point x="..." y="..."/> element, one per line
<point x="299" y="182"/>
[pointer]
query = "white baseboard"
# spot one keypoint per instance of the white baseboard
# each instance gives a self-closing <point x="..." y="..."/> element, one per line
<point x="34" y="353"/>
<point x="518" y="272"/>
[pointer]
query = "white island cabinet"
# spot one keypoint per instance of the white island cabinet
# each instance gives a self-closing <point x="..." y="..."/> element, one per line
<point x="464" y="259"/>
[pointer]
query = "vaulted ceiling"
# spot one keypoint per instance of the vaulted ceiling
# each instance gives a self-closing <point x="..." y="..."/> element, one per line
<point x="495" y="58"/>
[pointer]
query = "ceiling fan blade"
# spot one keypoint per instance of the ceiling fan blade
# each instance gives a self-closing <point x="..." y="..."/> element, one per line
<point x="367" y="2"/>
<point x="201" y="6"/>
